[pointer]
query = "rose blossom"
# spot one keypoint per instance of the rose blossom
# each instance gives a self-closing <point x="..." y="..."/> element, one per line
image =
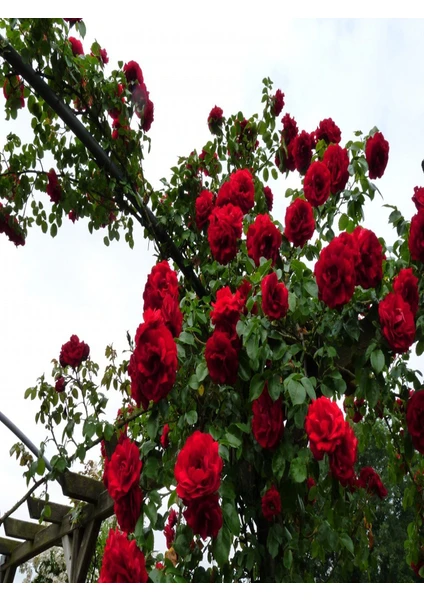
<point x="415" y="419"/>
<point x="406" y="284"/>
<point x="164" y="438"/>
<point x="418" y="197"/>
<point x="328" y="131"/>
<point x="299" y="222"/>
<point x="123" y="561"/>
<point x="301" y="148"/>
<point x="203" y="208"/>
<point x="238" y="190"/>
<point x="215" y="120"/>
<point x="343" y="457"/>
<point x="53" y="187"/>
<point x="317" y="184"/>
<point x="198" y="467"/>
<point x="263" y="239"/>
<point x="74" y="352"/>
<point x="225" y="228"/>
<point x="60" y="385"/>
<point x="221" y="358"/>
<point x="128" y="508"/>
<point x="377" y="155"/>
<point x="370" y="481"/>
<point x="268" y="420"/>
<point x="325" y="426"/>
<point x="269" y="197"/>
<point x="271" y="503"/>
<point x="369" y="271"/>
<point x="335" y="273"/>
<point x="416" y="236"/>
<point x="161" y="281"/>
<point x="123" y="469"/>
<point x="275" y="297"/>
<point x="336" y="160"/>
<point x="133" y="72"/>
<point x="77" y="49"/>
<point x="277" y="103"/>
<point x="397" y="322"/>
<point x="290" y="129"/>
<point x="204" y="516"/>
<point x="226" y="311"/>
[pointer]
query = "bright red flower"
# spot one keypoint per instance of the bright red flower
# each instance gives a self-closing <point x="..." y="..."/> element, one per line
<point x="302" y="151"/>
<point x="325" y="426"/>
<point x="161" y="282"/>
<point x="53" y="187"/>
<point x="164" y="438"/>
<point x="415" y="420"/>
<point x="198" y="467"/>
<point x="328" y="131"/>
<point x="416" y="236"/>
<point x="204" y="516"/>
<point x="263" y="239"/>
<point x="226" y="311"/>
<point x="370" y="481"/>
<point x="397" y="322"/>
<point x="369" y="271"/>
<point x="203" y="207"/>
<point x="269" y="197"/>
<point x="317" y="184"/>
<point x="123" y="561"/>
<point x="268" y="421"/>
<point x="133" y="73"/>
<point x="275" y="297"/>
<point x="74" y="352"/>
<point x="271" y="503"/>
<point x="242" y="189"/>
<point x="406" y="284"/>
<point x="215" y="120"/>
<point x="343" y="458"/>
<point x="172" y="315"/>
<point x="418" y="197"/>
<point x="221" y="358"/>
<point x="336" y="160"/>
<point x="60" y="385"/>
<point x="77" y="48"/>
<point x="104" y="56"/>
<point x="299" y="222"/>
<point x="128" y="508"/>
<point x="290" y="128"/>
<point x="277" y="103"/>
<point x="224" y="232"/>
<point x="335" y="273"/>
<point x="124" y="469"/>
<point x="377" y="155"/>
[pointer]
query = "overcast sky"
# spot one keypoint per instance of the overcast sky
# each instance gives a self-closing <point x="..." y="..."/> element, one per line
<point x="360" y="73"/>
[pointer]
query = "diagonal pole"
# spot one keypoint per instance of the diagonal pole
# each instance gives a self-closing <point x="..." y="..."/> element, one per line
<point x="24" y="439"/>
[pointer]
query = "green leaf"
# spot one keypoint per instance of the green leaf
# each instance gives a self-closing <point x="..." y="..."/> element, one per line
<point x="278" y="463"/>
<point x="183" y="540"/>
<point x="377" y="361"/>
<point x="221" y="546"/>
<point x="186" y="338"/>
<point x="191" y="417"/>
<point x="312" y="288"/>
<point x="298" y="470"/>
<point x="274" y="386"/>
<point x="288" y="558"/>
<point x="256" y="386"/>
<point x="346" y="540"/>
<point x="193" y="382"/>
<point x="201" y="371"/>
<point x="151" y="512"/>
<point x="231" y="518"/>
<point x="41" y="466"/>
<point x="308" y="387"/>
<point x="297" y="392"/>
<point x="343" y="222"/>
<point x="233" y="440"/>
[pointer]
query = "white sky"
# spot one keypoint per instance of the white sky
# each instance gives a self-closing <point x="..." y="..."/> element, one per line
<point x="360" y="73"/>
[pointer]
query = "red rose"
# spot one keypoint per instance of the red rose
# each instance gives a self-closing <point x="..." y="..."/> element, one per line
<point x="221" y="358"/>
<point x="416" y="236"/>
<point x="225" y="228"/>
<point x="268" y="421"/>
<point x="198" y="467"/>
<point x="124" y="468"/>
<point x="161" y="281"/>
<point x="302" y="151"/>
<point x="164" y="438"/>
<point x="128" y="508"/>
<point x="343" y="458"/>
<point x="147" y="117"/>
<point x="72" y="216"/>
<point x="77" y="48"/>
<point x="290" y="129"/>
<point x="369" y="270"/>
<point x="242" y="189"/>
<point x="226" y="311"/>
<point x="397" y="322"/>
<point x="133" y="72"/>
<point x="275" y="297"/>
<point x="299" y="222"/>
<point x="336" y="159"/>
<point x="204" y="516"/>
<point x="216" y="120"/>
<point x="418" y="197"/>
<point x="154" y="361"/>
<point x="172" y="315"/>
<point x="169" y="531"/>
<point x="224" y="194"/>
<point x="103" y="55"/>
<point x="263" y="239"/>
<point x="377" y="155"/>
<point x="324" y="425"/>
<point x="271" y="503"/>
<point x="406" y="284"/>
<point x="123" y="561"/>
<point x="277" y="103"/>
<point x="370" y="481"/>
<point x="335" y="273"/>
<point x="317" y="184"/>
<point x="53" y="187"/>
<point x="328" y="131"/>
<point x="269" y="197"/>
<point x="415" y="420"/>
<point x="60" y="384"/>
<point x="73" y="352"/>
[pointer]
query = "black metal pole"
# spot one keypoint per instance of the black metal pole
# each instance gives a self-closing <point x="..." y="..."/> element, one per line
<point x="24" y="439"/>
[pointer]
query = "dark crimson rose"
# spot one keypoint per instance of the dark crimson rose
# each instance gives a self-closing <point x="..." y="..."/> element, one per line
<point x="263" y="239"/>
<point x="216" y="120"/>
<point x="72" y="216"/>
<point x="336" y="159"/>
<point x="53" y="187"/>
<point x="60" y="384"/>
<point x="198" y="467"/>
<point x="277" y="103"/>
<point x="370" y="481"/>
<point x="154" y="361"/>
<point x="133" y="72"/>
<point x="343" y="458"/>
<point x="415" y="420"/>
<point x="161" y="282"/>
<point x="268" y="420"/>
<point x="204" y="516"/>
<point x="328" y="131"/>
<point x="269" y="197"/>
<point x="271" y="503"/>
<point x="128" y="508"/>
<point x="325" y="426"/>
<point x="317" y="184"/>
<point x="226" y="311"/>
<point x="416" y="236"/>
<point x="169" y="531"/>
<point x="290" y="129"/>
<point x="302" y="151"/>
<point x="124" y="469"/>
<point x="299" y="222"/>
<point x="221" y="358"/>
<point x="224" y="232"/>
<point x="123" y="561"/>
<point x="418" y="197"/>
<point x="406" y="284"/>
<point x="224" y="194"/>
<point x="397" y="322"/>
<point x="74" y="352"/>
<point x="335" y="273"/>
<point x="172" y="315"/>
<point x="377" y="155"/>
<point x="164" y="438"/>
<point x="10" y="226"/>
<point x="172" y="517"/>
<point x="242" y="190"/>
<point x="147" y="117"/>
<point x="77" y="49"/>
<point x="275" y="297"/>
<point x="103" y="55"/>
<point x="369" y="270"/>
<point x="136" y="392"/>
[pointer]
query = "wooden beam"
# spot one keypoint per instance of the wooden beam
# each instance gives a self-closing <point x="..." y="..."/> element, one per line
<point x="8" y="575"/>
<point x="23" y="530"/>
<point x="57" y="511"/>
<point x="7" y="546"/>
<point x="85" y="544"/>
<point x="80" y="487"/>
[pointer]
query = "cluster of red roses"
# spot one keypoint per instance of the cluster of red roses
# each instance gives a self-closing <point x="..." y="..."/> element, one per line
<point x="268" y="420"/>
<point x="13" y="91"/>
<point x="73" y="353"/>
<point x="53" y="188"/>
<point x="153" y="364"/>
<point x="198" y="475"/>
<point x="123" y="561"/>
<point x="10" y="226"/>
<point x="329" y="433"/>
<point x="139" y="94"/>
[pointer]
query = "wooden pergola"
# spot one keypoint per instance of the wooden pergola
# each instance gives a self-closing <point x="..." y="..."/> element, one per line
<point x="26" y="539"/>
